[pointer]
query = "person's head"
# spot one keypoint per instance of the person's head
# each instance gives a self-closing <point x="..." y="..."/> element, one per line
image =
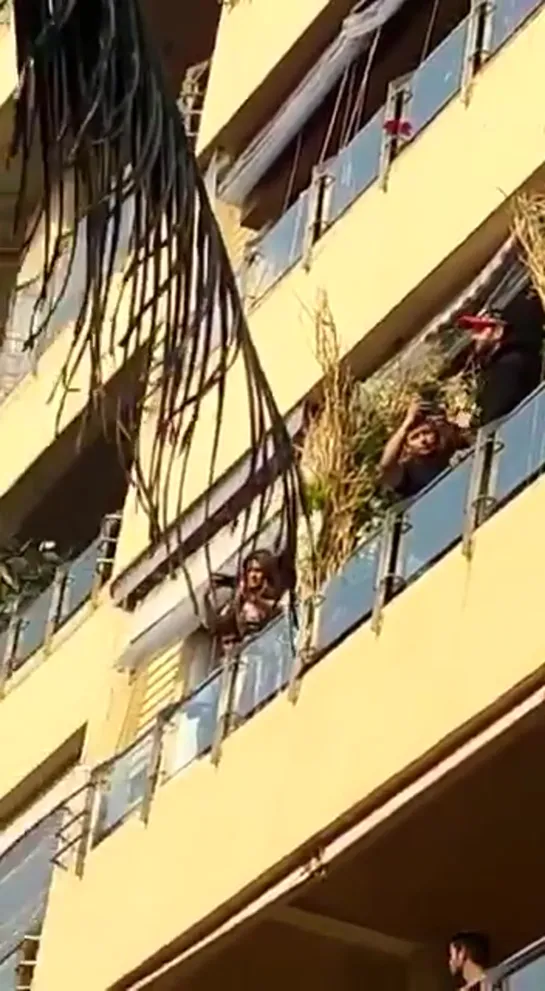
<point x="469" y="955"/>
<point x="423" y="439"/>
<point x="258" y="570"/>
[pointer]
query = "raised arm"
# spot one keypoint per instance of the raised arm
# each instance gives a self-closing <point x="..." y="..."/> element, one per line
<point x="390" y="461"/>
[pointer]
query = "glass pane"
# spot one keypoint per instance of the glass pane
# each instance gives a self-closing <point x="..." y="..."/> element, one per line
<point x="350" y="594"/>
<point x="264" y="667"/>
<point x="523" y="446"/>
<point x="507" y="16"/>
<point x="436" y="519"/>
<point x="126" y="786"/>
<point x="80" y="580"/>
<point x="357" y="166"/>
<point x="438" y="79"/>
<point x="529" y="978"/>
<point x="25" y="877"/>
<point x="32" y="628"/>
<point x="8" y="973"/>
<point x="193" y="726"/>
<point x="280" y="248"/>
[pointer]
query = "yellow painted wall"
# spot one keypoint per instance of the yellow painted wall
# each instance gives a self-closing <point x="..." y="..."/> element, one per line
<point x="53" y="697"/>
<point x="8" y="65"/>
<point x="253" y="37"/>
<point x="382" y="701"/>
<point x="446" y="186"/>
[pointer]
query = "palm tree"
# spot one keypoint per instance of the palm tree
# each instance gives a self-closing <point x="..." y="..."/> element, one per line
<point x="93" y="110"/>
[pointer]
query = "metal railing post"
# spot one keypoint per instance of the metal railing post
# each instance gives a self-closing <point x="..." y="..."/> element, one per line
<point x="306" y="643"/>
<point x="152" y="777"/>
<point x="228" y="681"/>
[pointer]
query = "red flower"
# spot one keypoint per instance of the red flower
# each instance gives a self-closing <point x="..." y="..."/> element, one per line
<point x="397" y="127"/>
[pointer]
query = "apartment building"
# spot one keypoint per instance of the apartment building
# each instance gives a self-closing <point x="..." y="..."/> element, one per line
<point x="325" y="801"/>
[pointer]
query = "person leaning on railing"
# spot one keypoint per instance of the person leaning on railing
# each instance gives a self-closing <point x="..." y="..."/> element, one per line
<point x="507" y="362"/>
<point x="469" y="961"/>
<point x="239" y="607"/>
<point x="420" y="449"/>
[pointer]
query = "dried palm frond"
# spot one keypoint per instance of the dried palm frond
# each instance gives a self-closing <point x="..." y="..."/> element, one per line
<point x="93" y="106"/>
<point x="529" y="228"/>
<point x="344" y="443"/>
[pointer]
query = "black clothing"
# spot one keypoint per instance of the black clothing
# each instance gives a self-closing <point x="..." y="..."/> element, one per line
<point x="504" y="379"/>
<point x="417" y="473"/>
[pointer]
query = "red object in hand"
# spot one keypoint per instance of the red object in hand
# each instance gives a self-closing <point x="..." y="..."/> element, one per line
<point x="468" y="322"/>
<point x="397" y="127"/>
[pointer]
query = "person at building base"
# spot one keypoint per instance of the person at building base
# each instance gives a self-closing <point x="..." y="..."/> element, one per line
<point x="469" y="960"/>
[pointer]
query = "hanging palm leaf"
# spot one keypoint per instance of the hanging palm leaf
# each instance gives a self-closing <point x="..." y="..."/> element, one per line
<point x="93" y="107"/>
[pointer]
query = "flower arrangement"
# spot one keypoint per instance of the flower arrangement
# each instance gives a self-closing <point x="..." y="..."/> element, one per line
<point x="343" y="445"/>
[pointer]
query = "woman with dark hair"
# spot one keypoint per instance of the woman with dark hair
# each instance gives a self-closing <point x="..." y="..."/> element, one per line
<point x="249" y="602"/>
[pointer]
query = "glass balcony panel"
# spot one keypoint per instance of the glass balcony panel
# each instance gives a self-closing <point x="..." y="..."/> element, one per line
<point x="507" y="16"/>
<point x="280" y="248"/>
<point x="193" y="725"/>
<point x="125" y="787"/>
<point x="438" y="79"/>
<point x="32" y="628"/>
<point x="80" y="580"/>
<point x="357" y="166"/>
<point x="522" y="440"/>
<point x="349" y="596"/>
<point x="528" y="978"/>
<point x="435" y="520"/>
<point x="8" y="972"/>
<point x="265" y="666"/>
<point x="25" y="877"/>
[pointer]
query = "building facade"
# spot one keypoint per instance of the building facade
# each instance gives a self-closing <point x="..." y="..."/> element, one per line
<point x="328" y="800"/>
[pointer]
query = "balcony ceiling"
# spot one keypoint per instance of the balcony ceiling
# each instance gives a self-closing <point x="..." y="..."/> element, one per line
<point x="469" y="857"/>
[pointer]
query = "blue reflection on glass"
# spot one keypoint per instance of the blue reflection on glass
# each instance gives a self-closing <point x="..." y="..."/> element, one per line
<point x="32" y="628"/>
<point x="438" y="79"/>
<point x="529" y="978"/>
<point x="280" y="248"/>
<point x="80" y="580"/>
<point x="25" y="877"/>
<point x="265" y="667"/>
<point x="349" y="595"/>
<point x="357" y="166"/>
<point x="193" y="725"/>
<point x="523" y="446"/>
<point x="8" y="973"/>
<point x="507" y="16"/>
<point x="435" y="521"/>
<point x="125" y="786"/>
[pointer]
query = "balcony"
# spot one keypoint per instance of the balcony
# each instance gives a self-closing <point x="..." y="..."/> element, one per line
<point x="362" y="163"/>
<point x="26" y="872"/>
<point x="32" y="625"/>
<point x="445" y="575"/>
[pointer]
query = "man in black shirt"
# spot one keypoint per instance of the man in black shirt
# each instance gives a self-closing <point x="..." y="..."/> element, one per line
<point x="508" y="366"/>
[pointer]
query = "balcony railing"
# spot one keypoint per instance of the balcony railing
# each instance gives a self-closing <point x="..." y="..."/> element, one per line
<point x="507" y="457"/>
<point x="26" y="870"/>
<point x="359" y="164"/>
<point x="33" y="623"/>
<point x="525" y="971"/>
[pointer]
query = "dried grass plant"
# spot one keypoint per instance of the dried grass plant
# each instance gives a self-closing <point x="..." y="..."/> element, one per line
<point x="343" y="445"/>
<point x="529" y="228"/>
